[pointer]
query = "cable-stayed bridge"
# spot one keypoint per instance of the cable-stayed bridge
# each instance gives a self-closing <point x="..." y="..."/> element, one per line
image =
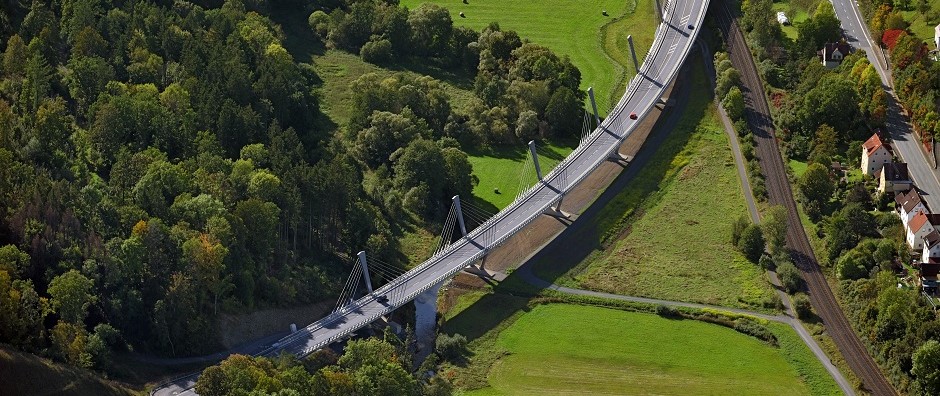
<point x="675" y="36"/>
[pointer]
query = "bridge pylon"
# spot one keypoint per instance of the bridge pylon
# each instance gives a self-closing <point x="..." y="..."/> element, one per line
<point x="636" y="64"/>
<point x="535" y="159"/>
<point x="463" y="226"/>
<point x="365" y="270"/>
<point x="597" y="117"/>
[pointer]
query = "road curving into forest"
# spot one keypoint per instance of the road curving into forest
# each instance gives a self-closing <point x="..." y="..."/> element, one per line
<point x="779" y="193"/>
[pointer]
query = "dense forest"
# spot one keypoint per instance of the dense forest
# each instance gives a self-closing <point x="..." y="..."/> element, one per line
<point x="165" y="161"/>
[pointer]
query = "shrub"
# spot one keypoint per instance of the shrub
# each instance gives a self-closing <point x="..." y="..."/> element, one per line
<point x="319" y="21"/>
<point x="802" y="306"/>
<point x="754" y="329"/>
<point x="789" y="275"/>
<point x="377" y="51"/>
<point x="667" y="311"/>
<point x="737" y="229"/>
<point x="752" y="243"/>
<point x="451" y="347"/>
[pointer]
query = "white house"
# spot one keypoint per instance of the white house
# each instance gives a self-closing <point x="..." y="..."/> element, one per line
<point x="894" y="178"/>
<point x="833" y="53"/>
<point x="936" y="36"/>
<point x="931" y="247"/>
<point x="909" y="205"/>
<point x="917" y="229"/>
<point x="875" y="154"/>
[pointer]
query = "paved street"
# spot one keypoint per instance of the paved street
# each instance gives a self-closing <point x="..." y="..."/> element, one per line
<point x="921" y="167"/>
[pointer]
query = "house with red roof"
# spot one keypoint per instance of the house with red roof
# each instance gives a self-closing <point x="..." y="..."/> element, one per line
<point x="918" y="228"/>
<point x="875" y="154"/>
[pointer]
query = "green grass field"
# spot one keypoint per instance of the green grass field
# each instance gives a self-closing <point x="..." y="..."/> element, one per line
<point x="595" y="43"/>
<point x="509" y="169"/>
<point x="668" y="232"/>
<point x="921" y="26"/>
<point x="797" y="13"/>
<point x="569" y="349"/>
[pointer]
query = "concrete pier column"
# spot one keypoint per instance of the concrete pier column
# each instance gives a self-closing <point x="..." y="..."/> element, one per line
<point x="426" y="321"/>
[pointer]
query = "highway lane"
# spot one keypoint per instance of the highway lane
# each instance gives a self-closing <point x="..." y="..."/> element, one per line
<point x="672" y="44"/>
<point x="905" y="145"/>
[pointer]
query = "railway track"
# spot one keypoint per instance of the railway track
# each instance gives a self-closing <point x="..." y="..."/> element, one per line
<point x="779" y="193"/>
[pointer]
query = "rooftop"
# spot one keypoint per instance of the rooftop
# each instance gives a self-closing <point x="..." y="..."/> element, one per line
<point x="830" y="48"/>
<point x="896" y="171"/>
<point x="918" y="222"/>
<point x="872" y="144"/>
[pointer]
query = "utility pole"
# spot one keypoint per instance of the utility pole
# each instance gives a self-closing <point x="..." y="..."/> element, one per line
<point x="659" y="10"/>
<point x="463" y="227"/>
<point x="365" y="270"/>
<point x="636" y="64"/>
<point x="597" y="117"/>
<point x="535" y="158"/>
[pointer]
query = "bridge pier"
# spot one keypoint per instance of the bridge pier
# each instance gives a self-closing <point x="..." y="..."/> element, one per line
<point x="426" y="321"/>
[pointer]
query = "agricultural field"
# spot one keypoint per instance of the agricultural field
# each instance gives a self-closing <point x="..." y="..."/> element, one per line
<point x="592" y="350"/>
<point x="596" y="44"/>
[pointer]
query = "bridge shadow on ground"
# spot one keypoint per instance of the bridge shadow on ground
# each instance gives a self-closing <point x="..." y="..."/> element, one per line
<point x="604" y="222"/>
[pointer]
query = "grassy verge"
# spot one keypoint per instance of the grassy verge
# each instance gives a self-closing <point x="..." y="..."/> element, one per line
<point x="800" y="357"/>
<point x="582" y="349"/>
<point x="577" y="29"/>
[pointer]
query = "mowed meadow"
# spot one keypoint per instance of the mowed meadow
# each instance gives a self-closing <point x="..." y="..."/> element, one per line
<point x="596" y="43"/>
<point x="561" y="349"/>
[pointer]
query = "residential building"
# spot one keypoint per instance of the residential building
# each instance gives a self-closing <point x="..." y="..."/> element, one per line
<point x="931" y="247"/>
<point x="894" y="178"/>
<point x="928" y="276"/>
<point x="875" y="154"/>
<point x="917" y="229"/>
<point x="908" y="205"/>
<point x="832" y="53"/>
<point x="936" y="36"/>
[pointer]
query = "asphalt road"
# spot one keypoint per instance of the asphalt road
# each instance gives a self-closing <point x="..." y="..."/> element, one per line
<point x="920" y="165"/>
<point x="670" y="47"/>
